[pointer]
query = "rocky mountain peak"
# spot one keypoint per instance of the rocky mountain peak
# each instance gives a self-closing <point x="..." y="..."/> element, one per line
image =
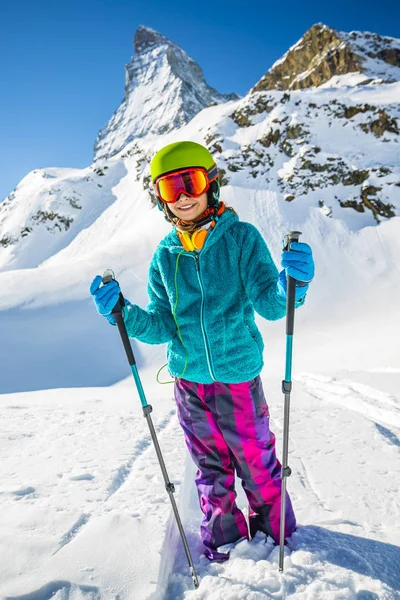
<point x="324" y="52"/>
<point x="146" y="38"/>
<point x="164" y="89"/>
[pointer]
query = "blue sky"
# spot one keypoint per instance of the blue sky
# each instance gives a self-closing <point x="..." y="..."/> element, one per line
<point x="62" y="63"/>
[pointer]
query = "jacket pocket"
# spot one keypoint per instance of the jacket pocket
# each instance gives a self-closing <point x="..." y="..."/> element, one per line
<point x="253" y="338"/>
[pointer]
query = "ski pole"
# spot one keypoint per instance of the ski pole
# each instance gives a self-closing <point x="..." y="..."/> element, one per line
<point x="147" y="409"/>
<point x="292" y="236"/>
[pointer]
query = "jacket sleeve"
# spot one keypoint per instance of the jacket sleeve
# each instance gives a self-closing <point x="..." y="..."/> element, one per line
<point x="155" y="324"/>
<point x="260" y="275"/>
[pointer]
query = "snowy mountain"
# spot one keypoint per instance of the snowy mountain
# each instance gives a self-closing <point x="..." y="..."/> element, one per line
<point x="50" y="207"/>
<point x="84" y="510"/>
<point x="335" y="147"/>
<point x="323" y="53"/>
<point x="164" y="89"/>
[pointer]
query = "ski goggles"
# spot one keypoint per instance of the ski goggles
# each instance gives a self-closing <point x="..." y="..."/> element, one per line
<point x="192" y="182"/>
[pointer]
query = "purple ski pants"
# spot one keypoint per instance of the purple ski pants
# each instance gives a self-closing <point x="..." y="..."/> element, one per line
<point x="226" y="429"/>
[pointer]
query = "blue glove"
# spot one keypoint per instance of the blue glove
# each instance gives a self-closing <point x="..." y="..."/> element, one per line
<point x="298" y="263"/>
<point x="106" y="297"/>
<point x="282" y="287"/>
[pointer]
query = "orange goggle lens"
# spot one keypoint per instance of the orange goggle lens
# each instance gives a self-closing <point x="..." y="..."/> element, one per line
<point x="192" y="182"/>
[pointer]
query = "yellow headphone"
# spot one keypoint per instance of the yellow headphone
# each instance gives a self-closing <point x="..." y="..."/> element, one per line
<point x="193" y="241"/>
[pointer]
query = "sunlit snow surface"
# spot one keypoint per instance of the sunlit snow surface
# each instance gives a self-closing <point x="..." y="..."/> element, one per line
<point x="85" y="514"/>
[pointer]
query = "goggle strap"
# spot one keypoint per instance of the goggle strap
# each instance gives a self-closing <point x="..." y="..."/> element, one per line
<point x="212" y="172"/>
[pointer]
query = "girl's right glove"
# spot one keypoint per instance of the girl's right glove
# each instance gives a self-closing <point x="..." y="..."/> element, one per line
<point x="298" y="262"/>
<point x="106" y="297"/>
<point x="282" y="287"/>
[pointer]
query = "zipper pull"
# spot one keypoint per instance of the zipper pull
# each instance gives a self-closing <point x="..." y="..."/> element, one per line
<point x="196" y="259"/>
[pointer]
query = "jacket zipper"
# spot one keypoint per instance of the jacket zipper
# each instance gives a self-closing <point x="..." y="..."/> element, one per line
<point x="203" y="326"/>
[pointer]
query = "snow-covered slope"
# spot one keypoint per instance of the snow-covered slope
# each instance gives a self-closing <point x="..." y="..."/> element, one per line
<point x="379" y="55"/>
<point x="334" y="150"/>
<point x="49" y="207"/>
<point x="84" y="510"/>
<point x="85" y="513"/>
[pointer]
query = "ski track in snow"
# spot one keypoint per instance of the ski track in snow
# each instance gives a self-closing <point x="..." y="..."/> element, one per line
<point x="118" y="480"/>
<point x="377" y="405"/>
<point x="61" y="590"/>
<point x="72" y="477"/>
<point x="73" y="532"/>
<point x="142" y="445"/>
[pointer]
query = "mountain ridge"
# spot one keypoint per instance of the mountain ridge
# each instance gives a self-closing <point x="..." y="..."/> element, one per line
<point x="324" y="52"/>
<point x="333" y="148"/>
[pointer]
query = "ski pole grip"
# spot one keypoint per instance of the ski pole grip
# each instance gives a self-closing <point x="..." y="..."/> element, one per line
<point x="293" y="236"/>
<point x="107" y="277"/>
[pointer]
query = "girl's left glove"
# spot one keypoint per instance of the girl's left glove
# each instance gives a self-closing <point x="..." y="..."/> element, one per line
<point x="297" y="262"/>
<point x="106" y="297"/>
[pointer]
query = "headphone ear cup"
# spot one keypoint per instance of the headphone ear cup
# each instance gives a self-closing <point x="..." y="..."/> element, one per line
<point x="186" y="240"/>
<point x="198" y="238"/>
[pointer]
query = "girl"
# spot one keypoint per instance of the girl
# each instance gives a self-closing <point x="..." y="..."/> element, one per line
<point x="206" y="279"/>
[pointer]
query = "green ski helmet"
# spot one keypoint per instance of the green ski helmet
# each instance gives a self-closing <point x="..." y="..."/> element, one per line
<point x="180" y="155"/>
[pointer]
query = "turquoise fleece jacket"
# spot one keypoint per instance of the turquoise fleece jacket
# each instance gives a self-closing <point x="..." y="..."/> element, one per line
<point x="218" y="290"/>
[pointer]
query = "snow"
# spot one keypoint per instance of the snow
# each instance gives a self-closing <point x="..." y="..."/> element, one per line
<point x="369" y="46"/>
<point x="78" y="486"/>
<point x="84" y="511"/>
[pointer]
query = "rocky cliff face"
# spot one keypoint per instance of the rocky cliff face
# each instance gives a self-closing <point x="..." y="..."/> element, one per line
<point x="165" y="88"/>
<point x="323" y="53"/>
<point x="332" y="148"/>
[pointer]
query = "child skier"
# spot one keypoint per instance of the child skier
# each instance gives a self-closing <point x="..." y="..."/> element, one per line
<point x="206" y="279"/>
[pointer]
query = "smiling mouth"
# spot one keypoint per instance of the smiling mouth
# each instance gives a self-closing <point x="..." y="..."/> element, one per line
<point x="188" y="207"/>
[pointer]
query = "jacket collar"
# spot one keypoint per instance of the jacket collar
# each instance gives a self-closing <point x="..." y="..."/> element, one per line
<point x="225" y="221"/>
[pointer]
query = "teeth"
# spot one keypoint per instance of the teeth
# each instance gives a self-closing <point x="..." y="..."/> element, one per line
<point x="186" y="207"/>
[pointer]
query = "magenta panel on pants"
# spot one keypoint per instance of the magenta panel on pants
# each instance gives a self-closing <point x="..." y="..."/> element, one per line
<point x="226" y="429"/>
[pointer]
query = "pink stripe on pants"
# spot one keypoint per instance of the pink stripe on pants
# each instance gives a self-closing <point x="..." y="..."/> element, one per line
<point x="226" y="428"/>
